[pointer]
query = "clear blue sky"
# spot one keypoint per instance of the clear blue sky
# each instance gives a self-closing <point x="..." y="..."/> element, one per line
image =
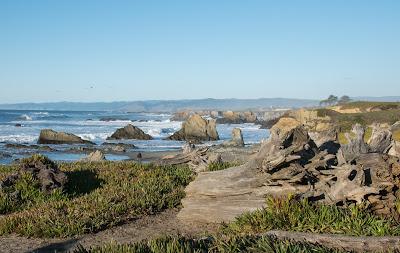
<point x="136" y="50"/>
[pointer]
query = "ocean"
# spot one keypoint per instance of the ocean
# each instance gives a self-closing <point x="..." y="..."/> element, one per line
<point x="96" y="127"/>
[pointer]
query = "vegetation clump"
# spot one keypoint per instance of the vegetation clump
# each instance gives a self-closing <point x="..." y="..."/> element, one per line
<point x="97" y="196"/>
<point x="301" y="216"/>
<point x="215" y="166"/>
<point x="187" y="245"/>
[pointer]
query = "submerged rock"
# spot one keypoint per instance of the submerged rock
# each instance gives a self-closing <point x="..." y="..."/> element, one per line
<point x="196" y="129"/>
<point x="117" y="147"/>
<point x="49" y="136"/>
<point x="129" y="132"/>
<point x="22" y="146"/>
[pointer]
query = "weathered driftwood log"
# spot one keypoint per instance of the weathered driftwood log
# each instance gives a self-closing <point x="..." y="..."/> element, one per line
<point x="380" y="141"/>
<point x="341" y="242"/>
<point x="195" y="158"/>
<point x="290" y="162"/>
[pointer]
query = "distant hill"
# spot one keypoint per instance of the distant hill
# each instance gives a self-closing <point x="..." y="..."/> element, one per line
<point x="169" y="105"/>
<point x="176" y="105"/>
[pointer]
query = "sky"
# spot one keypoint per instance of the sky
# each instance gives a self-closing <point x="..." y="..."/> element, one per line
<point x="96" y="50"/>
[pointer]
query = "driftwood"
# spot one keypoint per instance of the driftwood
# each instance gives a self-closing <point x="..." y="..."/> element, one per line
<point x="196" y="158"/>
<point x="290" y="162"/>
<point x="341" y="242"/>
<point x="330" y="173"/>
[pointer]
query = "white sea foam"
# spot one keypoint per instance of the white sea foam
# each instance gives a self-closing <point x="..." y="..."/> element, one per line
<point x="94" y="136"/>
<point x="18" y="138"/>
<point x="25" y="117"/>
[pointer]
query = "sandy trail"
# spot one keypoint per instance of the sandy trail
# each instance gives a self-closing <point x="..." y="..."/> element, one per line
<point x="148" y="227"/>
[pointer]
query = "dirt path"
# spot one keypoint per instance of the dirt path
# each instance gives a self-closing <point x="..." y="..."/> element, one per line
<point x="147" y="227"/>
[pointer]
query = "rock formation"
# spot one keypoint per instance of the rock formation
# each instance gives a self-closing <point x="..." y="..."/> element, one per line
<point x="237" y="139"/>
<point x="230" y="117"/>
<point x="96" y="156"/>
<point x="196" y="129"/>
<point x="129" y="132"/>
<point x="49" y="136"/>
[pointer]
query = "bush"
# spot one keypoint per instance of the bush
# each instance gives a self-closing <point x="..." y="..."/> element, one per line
<point x="215" y="166"/>
<point x="292" y="215"/>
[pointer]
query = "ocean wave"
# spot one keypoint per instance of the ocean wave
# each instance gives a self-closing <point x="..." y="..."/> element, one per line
<point x="25" y="117"/>
<point x="18" y="138"/>
<point x="41" y="113"/>
<point x="94" y="136"/>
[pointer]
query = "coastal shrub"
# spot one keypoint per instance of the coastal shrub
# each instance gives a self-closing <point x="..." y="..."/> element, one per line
<point x="112" y="193"/>
<point x="215" y="166"/>
<point x="232" y="244"/>
<point x="24" y="194"/>
<point x="302" y="216"/>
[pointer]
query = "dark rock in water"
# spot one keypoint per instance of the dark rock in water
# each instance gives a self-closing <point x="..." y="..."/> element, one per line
<point x="108" y="119"/>
<point x="49" y="136"/>
<point x="196" y="129"/>
<point x="22" y="146"/>
<point x="18" y="125"/>
<point x="4" y="155"/>
<point x="129" y="132"/>
<point x="42" y="169"/>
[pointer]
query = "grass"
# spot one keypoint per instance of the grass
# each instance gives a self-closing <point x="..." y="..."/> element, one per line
<point x="301" y="216"/>
<point x="98" y="196"/>
<point x="215" y="166"/>
<point x="186" y="245"/>
<point x="245" y="233"/>
<point x="396" y="135"/>
<point x="368" y="105"/>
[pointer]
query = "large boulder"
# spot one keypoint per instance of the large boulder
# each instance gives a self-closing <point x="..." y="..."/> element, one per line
<point x="129" y="132"/>
<point x="196" y="129"/>
<point x="237" y="139"/>
<point x="96" y="156"/>
<point x="283" y="126"/>
<point x="49" y="136"/>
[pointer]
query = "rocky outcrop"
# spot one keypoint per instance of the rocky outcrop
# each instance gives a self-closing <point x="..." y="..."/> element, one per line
<point x="237" y="139"/>
<point x="96" y="156"/>
<point x="196" y="129"/>
<point x="230" y="117"/>
<point x="129" y="132"/>
<point x="311" y="119"/>
<point x="283" y="126"/>
<point x="184" y="115"/>
<point x="41" y="169"/>
<point x="49" y="136"/>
